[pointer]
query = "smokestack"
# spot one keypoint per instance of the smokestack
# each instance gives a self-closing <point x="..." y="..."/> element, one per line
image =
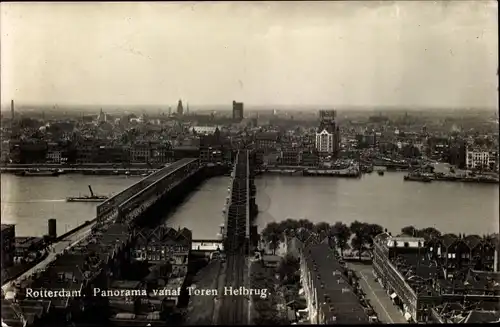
<point x="496" y="261"/>
<point x="12" y="108"/>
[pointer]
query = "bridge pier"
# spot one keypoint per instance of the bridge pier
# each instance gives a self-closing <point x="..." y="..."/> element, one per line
<point x="132" y="202"/>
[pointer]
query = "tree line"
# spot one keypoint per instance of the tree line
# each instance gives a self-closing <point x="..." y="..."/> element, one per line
<point x="358" y="235"/>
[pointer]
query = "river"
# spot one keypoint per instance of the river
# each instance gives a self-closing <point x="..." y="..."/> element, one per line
<point x="386" y="200"/>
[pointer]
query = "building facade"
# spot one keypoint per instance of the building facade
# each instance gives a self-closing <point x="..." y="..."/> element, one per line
<point x="266" y="141"/>
<point x="328" y="134"/>
<point x="86" y="153"/>
<point x="165" y="245"/>
<point x="237" y="111"/>
<point x="385" y="249"/>
<point x="180" y="108"/>
<point x="214" y="149"/>
<point x="140" y="153"/>
<point x="329" y="296"/>
<point x="477" y="158"/>
<point x="111" y="154"/>
<point x="290" y="156"/>
<point x="8" y="244"/>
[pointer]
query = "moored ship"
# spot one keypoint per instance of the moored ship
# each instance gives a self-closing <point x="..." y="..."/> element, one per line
<point x="480" y="179"/>
<point x="38" y="172"/>
<point x="418" y="178"/>
<point x="87" y="198"/>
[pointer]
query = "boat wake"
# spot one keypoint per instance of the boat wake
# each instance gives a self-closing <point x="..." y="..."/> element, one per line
<point x="35" y="201"/>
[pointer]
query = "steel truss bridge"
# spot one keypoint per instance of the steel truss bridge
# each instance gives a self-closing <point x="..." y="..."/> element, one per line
<point x="133" y="201"/>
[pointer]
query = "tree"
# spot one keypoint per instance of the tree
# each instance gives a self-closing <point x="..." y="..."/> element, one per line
<point x="303" y="234"/>
<point x="273" y="234"/>
<point x="322" y="229"/>
<point x="288" y="269"/>
<point x="409" y="230"/>
<point x="372" y="230"/>
<point x="304" y="223"/>
<point x="342" y="233"/>
<point x="356" y="226"/>
<point x="429" y="233"/>
<point x="289" y="227"/>
<point x="358" y="243"/>
<point x="364" y="234"/>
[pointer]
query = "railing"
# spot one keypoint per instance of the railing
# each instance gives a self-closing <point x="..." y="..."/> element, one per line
<point x="230" y="193"/>
<point x="74" y="230"/>
<point x="169" y="171"/>
<point x="248" y="196"/>
<point x="112" y="203"/>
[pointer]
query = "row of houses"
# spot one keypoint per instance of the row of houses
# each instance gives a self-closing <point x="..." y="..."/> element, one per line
<point x="420" y="274"/>
<point x="106" y="263"/>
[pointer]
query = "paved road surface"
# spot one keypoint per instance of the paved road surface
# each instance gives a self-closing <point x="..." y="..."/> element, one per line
<point x="59" y="247"/>
<point x="387" y="312"/>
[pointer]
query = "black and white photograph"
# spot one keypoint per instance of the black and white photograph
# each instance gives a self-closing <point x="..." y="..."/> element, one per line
<point x="249" y="163"/>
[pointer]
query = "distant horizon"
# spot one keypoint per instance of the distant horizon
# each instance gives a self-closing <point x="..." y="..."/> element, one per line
<point x="207" y="107"/>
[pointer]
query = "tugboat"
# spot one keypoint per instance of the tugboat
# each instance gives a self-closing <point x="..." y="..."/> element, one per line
<point x="380" y="173"/>
<point x="87" y="198"/>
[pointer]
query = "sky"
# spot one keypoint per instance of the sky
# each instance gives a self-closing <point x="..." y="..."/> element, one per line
<point x="337" y="54"/>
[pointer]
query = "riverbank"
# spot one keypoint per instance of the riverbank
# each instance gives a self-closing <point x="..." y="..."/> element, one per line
<point x="427" y="178"/>
<point x="47" y="171"/>
<point x="322" y="172"/>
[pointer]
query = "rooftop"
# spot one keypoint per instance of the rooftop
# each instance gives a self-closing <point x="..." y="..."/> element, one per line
<point x="267" y="136"/>
<point x="7" y="226"/>
<point x="481" y="317"/>
<point x="334" y="292"/>
<point x="75" y="267"/>
<point x="165" y="234"/>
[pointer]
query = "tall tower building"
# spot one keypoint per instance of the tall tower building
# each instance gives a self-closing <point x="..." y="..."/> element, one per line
<point x="237" y="111"/>
<point x="328" y="133"/>
<point x="12" y="109"/>
<point x="180" y="109"/>
<point x="169" y="111"/>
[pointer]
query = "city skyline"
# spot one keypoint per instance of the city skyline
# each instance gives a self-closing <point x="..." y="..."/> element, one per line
<point x="405" y="54"/>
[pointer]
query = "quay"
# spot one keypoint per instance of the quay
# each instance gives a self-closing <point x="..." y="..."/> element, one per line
<point x="312" y="171"/>
<point x="84" y="170"/>
<point x="426" y="178"/>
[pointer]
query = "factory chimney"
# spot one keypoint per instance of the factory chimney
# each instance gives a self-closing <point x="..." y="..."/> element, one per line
<point x="12" y="109"/>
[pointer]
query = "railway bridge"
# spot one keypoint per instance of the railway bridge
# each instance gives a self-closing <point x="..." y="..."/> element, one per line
<point x="134" y="200"/>
<point x="239" y="212"/>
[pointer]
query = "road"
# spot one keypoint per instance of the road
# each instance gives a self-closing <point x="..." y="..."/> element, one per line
<point x="381" y="302"/>
<point x="57" y="248"/>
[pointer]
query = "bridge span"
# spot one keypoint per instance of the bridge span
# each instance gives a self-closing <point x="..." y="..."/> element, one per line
<point x="132" y="201"/>
<point x="239" y="211"/>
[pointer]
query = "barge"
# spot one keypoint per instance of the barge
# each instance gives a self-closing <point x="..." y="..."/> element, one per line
<point x="39" y="173"/>
<point x="418" y="178"/>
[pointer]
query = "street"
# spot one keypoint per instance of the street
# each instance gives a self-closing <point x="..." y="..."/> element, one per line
<point x="55" y="249"/>
<point x="387" y="312"/>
